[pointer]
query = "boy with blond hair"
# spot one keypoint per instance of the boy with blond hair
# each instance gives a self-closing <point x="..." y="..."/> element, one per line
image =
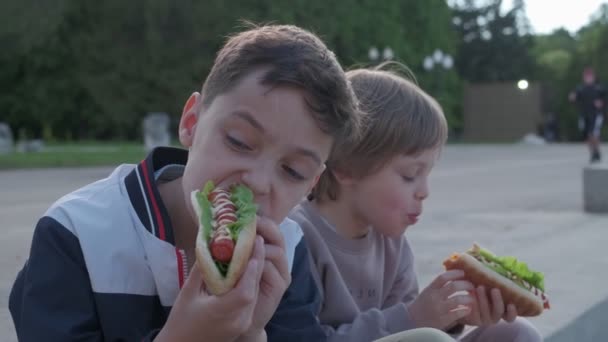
<point x="354" y="224"/>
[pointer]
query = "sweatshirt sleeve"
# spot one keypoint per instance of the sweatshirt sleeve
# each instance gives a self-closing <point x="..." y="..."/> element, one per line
<point x="393" y="317"/>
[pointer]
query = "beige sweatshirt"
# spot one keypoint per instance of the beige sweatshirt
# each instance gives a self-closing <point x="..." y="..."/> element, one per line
<point x="365" y="284"/>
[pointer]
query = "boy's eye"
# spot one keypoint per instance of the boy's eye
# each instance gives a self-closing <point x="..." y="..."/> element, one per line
<point x="408" y="179"/>
<point x="237" y="144"/>
<point x="293" y="173"/>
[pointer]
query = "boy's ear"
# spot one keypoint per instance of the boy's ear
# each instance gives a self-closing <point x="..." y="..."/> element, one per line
<point x="189" y="119"/>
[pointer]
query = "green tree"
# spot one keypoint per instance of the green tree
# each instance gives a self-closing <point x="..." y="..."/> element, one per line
<point x="92" y="70"/>
<point x="494" y="46"/>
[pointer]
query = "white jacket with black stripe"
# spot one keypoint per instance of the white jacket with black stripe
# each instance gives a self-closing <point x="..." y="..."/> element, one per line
<point x="103" y="265"/>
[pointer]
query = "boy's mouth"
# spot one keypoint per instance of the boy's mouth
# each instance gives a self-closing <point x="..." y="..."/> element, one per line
<point x="413" y="218"/>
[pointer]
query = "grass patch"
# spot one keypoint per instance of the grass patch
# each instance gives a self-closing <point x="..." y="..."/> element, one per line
<point x="79" y="154"/>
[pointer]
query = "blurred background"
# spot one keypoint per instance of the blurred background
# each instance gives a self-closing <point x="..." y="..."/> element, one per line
<point x="89" y="72"/>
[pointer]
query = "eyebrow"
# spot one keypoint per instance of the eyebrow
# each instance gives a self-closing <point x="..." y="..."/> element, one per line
<point x="308" y="153"/>
<point x="414" y="163"/>
<point x="244" y="115"/>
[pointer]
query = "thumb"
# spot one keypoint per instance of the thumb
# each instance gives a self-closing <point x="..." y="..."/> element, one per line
<point x="251" y="277"/>
<point x="194" y="284"/>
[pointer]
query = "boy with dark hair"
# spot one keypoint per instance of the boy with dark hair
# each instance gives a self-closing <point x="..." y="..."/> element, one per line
<point x="114" y="260"/>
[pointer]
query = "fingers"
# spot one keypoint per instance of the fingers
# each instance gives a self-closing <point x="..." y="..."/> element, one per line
<point x="275" y="247"/>
<point x="484" y="306"/>
<point x="443" y="278"/>
<point x="511" y="313"/>
<point x="276" y="258"/>
<point x="246" y="290"/>
<point x="498" y="305"/>
<point x="259" y="250"/>
<point x="458" y="301"/>
<point x="270" y="232"/>
<point x="475" y="317"/>
<point x="273" y="280"/>
<point x="194" y="283"/>
<point x="456" y="314"/>
<point x="259" y="255"/>
<point x="456" y="286"/>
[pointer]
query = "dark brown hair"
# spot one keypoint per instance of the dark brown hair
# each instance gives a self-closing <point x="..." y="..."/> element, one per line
<point x="400" y="119"/>
<point x="294" y="57"/>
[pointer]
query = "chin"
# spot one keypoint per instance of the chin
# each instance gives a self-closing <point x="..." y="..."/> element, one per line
<point x="403" y="229"/>
<point x="396" y="233"/>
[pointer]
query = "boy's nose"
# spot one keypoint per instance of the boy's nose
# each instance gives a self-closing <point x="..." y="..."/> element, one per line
<point x="423" y="192"/>
<point x="258" y="180"/>
<point x="421" y="196"/>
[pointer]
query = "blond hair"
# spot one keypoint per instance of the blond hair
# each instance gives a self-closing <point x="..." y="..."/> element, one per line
<point x="400" y="119"/>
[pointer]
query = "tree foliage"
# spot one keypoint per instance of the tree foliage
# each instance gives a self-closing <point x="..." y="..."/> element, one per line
<point x="92" y="69"/>
<point x="72" y="69"/>
<point x="495" y="45"/>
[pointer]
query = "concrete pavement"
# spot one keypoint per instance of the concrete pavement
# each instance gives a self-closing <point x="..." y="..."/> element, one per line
<point x="524" y="201"/>
<point x="514" y="199"/>
<point x="24" y="197"/>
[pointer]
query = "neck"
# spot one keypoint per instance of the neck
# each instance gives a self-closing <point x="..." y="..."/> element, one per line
<point x="182" y="220"/>
<point x="343" y="217"/>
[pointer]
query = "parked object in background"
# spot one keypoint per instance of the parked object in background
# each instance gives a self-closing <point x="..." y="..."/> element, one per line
<point x="33" y="145"/>
<point x="533" y="139"/>
<point x="500" y="111"/>
<point x="595" y="183"/>
<point x="6" y="139"/>
<point x="156" y="130"/>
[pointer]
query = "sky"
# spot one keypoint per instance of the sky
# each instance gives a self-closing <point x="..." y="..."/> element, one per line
<point x="547" y="15"/>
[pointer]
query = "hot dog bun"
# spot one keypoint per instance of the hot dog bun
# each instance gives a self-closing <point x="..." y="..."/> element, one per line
<point x="526" y="302"/>
<point x="215" y="282"/>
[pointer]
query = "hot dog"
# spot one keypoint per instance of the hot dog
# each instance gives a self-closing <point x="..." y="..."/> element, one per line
<point x="227" y="229"/>
<point x="517" y="283"/>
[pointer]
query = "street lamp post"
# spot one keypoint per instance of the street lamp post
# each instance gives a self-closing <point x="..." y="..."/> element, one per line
<point x="375" y="56"/>
<point x="439" y="61"/>
<point x="438" y="58"/>
<point x="437" y="64"/>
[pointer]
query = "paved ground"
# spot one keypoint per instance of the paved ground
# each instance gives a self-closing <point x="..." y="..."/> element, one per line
<point x="513" y="199"/>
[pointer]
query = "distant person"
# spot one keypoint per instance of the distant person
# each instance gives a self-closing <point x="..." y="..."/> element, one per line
<point x="372" y="191"/>
<point x="590" y="97"/>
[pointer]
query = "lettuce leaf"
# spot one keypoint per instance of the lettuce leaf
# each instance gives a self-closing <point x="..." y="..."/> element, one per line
<point x="242" y="197"/>
<point x="206" y="218"/>
<point x="498" y="269"/>
<point x="222" y="267"/>
<point x="520" y="269"/>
